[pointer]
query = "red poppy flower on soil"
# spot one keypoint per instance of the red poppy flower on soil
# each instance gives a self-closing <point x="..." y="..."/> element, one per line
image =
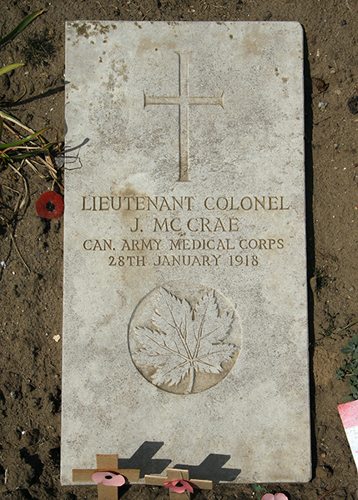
<point x="50" y="205"/>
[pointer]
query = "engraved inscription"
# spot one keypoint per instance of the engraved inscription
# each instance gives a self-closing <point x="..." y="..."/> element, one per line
<point x="185" y="345"/>
<point x="184" y="100"/>
<point x="182" y="203"/>
<point x="174" y="231"/>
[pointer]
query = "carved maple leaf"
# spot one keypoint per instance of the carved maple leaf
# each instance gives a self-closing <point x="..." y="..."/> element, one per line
<point x="185" y="340"/>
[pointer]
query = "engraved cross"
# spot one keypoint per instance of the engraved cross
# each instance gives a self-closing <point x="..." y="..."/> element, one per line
<point x="184" y="100"/>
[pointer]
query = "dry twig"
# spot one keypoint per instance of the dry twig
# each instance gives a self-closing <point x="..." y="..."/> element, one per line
<point x="17" y="249"/>
<point x="328" y="493"/>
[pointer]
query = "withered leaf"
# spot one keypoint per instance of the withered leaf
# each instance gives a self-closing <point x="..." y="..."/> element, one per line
<point x="321" y="85"/>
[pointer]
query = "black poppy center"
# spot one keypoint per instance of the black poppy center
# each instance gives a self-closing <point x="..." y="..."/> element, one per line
<point x="50" y="207"/>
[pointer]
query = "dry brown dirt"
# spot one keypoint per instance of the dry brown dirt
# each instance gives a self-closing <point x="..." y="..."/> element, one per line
<point x="31" y="301"/>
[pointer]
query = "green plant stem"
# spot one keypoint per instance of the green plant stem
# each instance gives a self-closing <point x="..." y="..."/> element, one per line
<point x="349" y="325"/>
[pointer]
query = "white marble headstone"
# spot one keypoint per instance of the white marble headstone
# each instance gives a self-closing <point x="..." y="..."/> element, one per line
<point x="185" y="336"/>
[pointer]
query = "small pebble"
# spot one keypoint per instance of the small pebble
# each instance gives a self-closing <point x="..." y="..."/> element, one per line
<point x="323" y="455"/>
<point x="59" y="160"/>
<point x="322" y="105"/>
<point x="343" y="22"/>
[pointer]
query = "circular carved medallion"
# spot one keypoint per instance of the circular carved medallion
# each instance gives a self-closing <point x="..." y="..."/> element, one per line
<point x="184" y="337"/>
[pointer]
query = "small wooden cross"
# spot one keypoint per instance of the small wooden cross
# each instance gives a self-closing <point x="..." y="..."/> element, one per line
<point x="107" y="463"/>
<point x="177" y="475"/>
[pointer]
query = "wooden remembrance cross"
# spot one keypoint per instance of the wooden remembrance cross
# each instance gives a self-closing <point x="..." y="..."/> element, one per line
<point x="184" y="101"/>
<point x="105" y="463"/>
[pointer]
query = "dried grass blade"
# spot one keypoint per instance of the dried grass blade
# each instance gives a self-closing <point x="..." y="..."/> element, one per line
<point x="35" y="169"/>
<point x="12" y="130"/>
<point x="48" y="165"/>
<point x="26" y="197"/>
<point x="34" y="152"/>
<point x="18" y="252"/>
<point x="8" y="187"/>
<point x="13" y="101"/>
<point x="16" y="170"/>
<point x="19" y="198"/>
<point x="14" y="120"/>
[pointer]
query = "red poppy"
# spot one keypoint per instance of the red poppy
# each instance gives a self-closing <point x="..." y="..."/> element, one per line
<point x="108" y="478"/>
<point x="179" y="486"/>
<point x="50" y="205"/>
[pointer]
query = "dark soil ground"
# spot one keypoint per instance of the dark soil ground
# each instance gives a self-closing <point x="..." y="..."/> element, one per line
<point x="31" y="299"/>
